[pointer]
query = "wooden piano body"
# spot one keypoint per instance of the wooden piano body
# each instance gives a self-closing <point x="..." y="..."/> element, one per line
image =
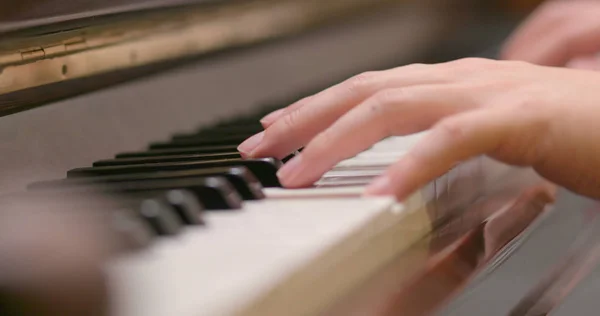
<point x="82" y="89"/>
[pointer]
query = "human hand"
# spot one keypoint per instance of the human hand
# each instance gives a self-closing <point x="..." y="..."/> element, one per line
<point x="515" y="112"/>
<point x="559" y="33"/>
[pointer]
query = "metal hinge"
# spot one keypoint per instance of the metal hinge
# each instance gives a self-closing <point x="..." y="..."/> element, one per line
<point x="66" y="47"/>
<point x="33" y="54"/>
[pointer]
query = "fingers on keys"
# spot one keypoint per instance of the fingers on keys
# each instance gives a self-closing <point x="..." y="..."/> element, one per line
<point x="295" y="126"/>
<point x="346" y="119"/>
<point x="389" y="112"/>
<point x="451" y="141"/>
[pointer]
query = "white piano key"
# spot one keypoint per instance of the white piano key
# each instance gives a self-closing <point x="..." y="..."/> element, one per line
<point x="400" y="142"/>
<point x="295" y="243"/>
<point x="441" y="186"/>
<point x="365" y="163"/>
<point x="313" y="193"/>
<point x="349" y="173"/>
<point x="271" y="252"/>
<point x="382" y="154"/>
<point x="343" y="182"/>
<point x="376" y="160"/>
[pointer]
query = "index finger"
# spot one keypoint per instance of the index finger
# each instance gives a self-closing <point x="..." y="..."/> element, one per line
<point x="295" y="129"/>
<point x="391" y="112"/>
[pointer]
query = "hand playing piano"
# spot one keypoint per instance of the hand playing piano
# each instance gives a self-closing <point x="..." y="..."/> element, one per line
<point x="515" y="112"/>
<point x="560" y="33"/>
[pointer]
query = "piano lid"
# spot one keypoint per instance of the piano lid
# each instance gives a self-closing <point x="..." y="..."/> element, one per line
<point x="56" y="49"/>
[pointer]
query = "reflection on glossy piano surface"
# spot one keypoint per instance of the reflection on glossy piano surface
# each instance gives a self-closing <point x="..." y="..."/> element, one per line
<point x="123" y="192"/>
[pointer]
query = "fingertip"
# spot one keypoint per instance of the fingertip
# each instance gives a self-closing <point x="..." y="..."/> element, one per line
<point x="249" y="146"/>
<point x="243" y="154"/>
<point x="288" y="175"/>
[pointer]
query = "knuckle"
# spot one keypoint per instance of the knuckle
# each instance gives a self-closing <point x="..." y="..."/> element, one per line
<point x="297" y="105"/>
<point x="416" y="67"/>
<point x="538" y="115"/>
<point x="471" y="64"/>
<point x="529" y="100"/>
<point x="384" y="99"/>
<point x="530" y="144"/>
<point x="291" y="120"/>
<point x="382" y="107"/>
<point x="524" y="104"/>
<point x="516" y="64"/>
<point x="451" y="129"/>
<point x="475" y="60"/>
<point x="472" y="61"/>
<point x="381" y="99"/>
<point x="361" y="82"/>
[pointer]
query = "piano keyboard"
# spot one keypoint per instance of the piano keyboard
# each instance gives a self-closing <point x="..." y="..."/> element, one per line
<point x="221" y="237"/>
<point x="211" y="234"/>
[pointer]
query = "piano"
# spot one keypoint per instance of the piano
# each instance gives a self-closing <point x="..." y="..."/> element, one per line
<point x="120" y="122"/>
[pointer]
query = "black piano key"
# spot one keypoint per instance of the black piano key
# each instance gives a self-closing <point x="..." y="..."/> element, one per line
<point x="160" y="216"/>
<point x="240" y="178"/>
<point x="167" y="158"/>
<point x="199" y="142"/>
<point x="188" y="207"/>
<point x="264" y="169"/>
<point x="226" y="138"/>
<point x="288" y="158"/>
<point x="213" y="192"/>
<point x="135" y="232"/>
<point x="180" y="151"/>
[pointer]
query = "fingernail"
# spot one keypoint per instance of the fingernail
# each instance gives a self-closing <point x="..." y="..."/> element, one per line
<point x="290" y="170"/>
<point x="251" y="143"/>
<point x="271" y="117"/>
<point x="380" y="186"/>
